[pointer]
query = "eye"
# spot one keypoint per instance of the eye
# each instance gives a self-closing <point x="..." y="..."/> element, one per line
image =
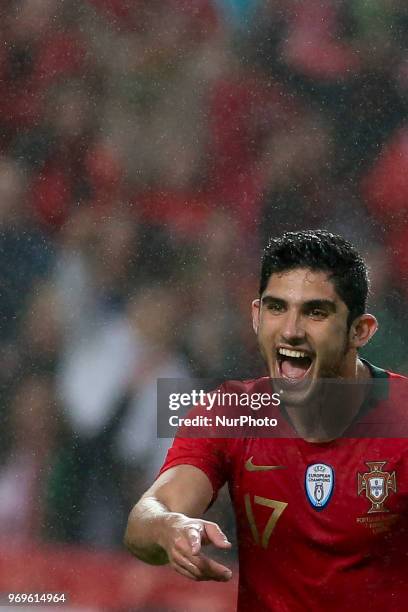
<point x="276" y="307"/>
<point x="318" y="313"/>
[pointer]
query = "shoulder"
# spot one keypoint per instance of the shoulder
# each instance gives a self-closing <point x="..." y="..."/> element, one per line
<point x="391" y="393"/>
<point x="378" y="372"/>
<point x="394" y="376"/>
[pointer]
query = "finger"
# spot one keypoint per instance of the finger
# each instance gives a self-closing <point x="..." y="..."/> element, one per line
<point x="212" y="570"/>
<point x="209" y="570"/>
<point x="181" y="570"/>
<point x="188" y="565"/>
<point x="213" y="534"/>
<point x="189" y="541"/>
<point x="201" y="567"/>
<point x="195" y="534"/>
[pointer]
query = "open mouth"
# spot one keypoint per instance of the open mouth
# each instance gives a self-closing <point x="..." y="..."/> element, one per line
<point x="294" y="365"/>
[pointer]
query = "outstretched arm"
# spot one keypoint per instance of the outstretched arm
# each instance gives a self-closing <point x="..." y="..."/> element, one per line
<point x="164" y="526"/>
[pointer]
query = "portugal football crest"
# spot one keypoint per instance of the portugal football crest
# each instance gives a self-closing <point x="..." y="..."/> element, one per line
<point x="319" y="484"/>
<point x="376" y="484"/>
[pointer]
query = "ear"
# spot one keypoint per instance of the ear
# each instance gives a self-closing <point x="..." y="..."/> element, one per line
<point x="362" y="330"/>
<point x="256" y="313"/>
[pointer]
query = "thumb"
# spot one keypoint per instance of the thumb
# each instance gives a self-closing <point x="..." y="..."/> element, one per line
<point x="214" y="535"/>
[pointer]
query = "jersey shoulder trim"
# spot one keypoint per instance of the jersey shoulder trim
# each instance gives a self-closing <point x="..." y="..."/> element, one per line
<point x="377" y="372"/>
<point x="397" y="376"/>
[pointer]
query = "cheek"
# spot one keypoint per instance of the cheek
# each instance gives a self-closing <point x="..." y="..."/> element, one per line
<point x="266" y="331"/>
<point x="265" y="340"/>
<point x="334" y="341"/>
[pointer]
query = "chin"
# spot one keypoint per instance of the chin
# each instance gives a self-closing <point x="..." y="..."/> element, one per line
<point x="295" y="391"/>
<point x="298" y="393"/>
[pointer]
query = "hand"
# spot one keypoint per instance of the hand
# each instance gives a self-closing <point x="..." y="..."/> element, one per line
<point x="183" y="540"/>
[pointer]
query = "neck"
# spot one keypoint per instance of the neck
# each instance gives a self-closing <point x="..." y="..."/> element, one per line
<point x="333" y="408"/>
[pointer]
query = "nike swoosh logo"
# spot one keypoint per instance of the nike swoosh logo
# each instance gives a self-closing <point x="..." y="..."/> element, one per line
<point x="261" y="468"/>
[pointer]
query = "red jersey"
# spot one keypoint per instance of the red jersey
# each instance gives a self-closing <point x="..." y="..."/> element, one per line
<point x="320" y="525"/>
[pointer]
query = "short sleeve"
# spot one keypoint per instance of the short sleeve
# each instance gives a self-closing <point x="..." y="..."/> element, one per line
<point x="207" y="454"/>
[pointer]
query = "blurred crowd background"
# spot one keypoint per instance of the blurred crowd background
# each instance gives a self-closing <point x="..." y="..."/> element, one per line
<point x="148" y="148"/>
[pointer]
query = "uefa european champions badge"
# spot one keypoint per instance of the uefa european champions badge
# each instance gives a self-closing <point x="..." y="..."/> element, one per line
<point x="319" y="484"/>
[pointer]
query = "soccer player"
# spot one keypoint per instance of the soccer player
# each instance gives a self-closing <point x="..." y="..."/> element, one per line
<point x="322" y="519"/>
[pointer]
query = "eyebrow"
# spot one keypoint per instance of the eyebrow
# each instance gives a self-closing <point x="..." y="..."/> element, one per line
<point x="309" y="304"/>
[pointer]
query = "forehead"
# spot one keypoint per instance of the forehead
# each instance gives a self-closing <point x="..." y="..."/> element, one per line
<point x="301" y="284"/>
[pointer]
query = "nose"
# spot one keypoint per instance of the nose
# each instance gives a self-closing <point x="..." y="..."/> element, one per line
<point x="293" y="330"/>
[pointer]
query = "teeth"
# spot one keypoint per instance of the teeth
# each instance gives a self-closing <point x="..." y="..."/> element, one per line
<point x="289" y="353"/>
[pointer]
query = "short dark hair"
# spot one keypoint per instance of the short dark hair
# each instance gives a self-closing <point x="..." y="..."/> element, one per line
<point x="320" y="251"/>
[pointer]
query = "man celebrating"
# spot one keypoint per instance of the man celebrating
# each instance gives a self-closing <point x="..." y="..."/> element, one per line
<point x="322" y="516"/>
